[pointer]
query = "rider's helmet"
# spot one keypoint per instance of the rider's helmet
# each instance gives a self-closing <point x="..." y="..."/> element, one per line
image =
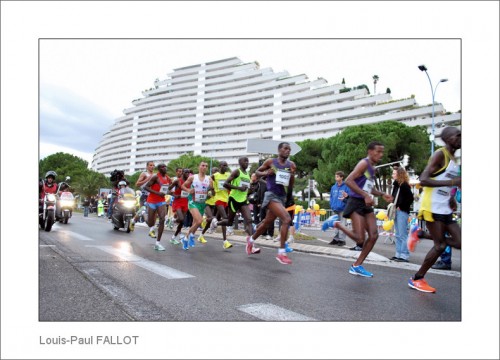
<point x="122" y="183"/>
<point x="51" y="173"/>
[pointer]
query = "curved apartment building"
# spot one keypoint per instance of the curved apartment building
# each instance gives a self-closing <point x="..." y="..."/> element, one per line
<point x="211" y="109"/>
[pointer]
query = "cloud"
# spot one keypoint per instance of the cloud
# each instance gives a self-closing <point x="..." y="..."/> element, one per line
<point x="71" y="121"/>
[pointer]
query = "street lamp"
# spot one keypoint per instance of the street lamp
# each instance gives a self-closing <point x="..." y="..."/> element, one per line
<point x="433" y="92"/>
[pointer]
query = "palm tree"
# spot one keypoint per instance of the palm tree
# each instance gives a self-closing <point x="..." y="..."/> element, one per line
<point x="375" y="80"/>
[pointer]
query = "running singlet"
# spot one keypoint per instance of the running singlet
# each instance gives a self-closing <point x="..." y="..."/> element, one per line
<point x="148" y="175"/>
<point x="164" y="181"/>
<point x="242" y="180"/>
<point x="221" y="193"/>
<point x="276" y="183"/>
<point x="365" y="181"/>
<point x="180" y="195"/>
<point x="436" y="199"/>
<point x="200" y="189"/>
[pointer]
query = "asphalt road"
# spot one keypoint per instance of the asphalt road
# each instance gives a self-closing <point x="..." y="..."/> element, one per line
<point x="88" y="271"/>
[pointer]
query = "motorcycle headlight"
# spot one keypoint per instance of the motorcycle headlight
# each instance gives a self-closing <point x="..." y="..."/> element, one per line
<point x="68" y="203"/>
<point x="51" y="197"/>
<point x="129" y="204"/>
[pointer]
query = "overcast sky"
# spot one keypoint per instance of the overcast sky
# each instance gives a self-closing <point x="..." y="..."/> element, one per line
<point x="85" y="84"/>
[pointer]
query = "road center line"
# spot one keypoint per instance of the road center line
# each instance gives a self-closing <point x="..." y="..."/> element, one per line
<point x="270" y="312"/>
<point x="152" y="266"/>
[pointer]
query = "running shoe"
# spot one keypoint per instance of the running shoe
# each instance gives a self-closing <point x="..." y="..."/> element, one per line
<point x="201" y="239"/>
<point x="229" y="230"/>
<point x="132" y="226"/>
<point x="288" y="249"/>
<point x="413" y="238"/>
<point x="159" y="247"/>
<point x="421" y="285"/>
<point x="268" y="237"/>
<point x="174" y="240"/>
<point x="282" y="258"/>
<point x="152" y="234"/>
<point x="330" y="222"/>
<point x="191" y="240"/>
<point x="184" y="243"/>
<point x="227" y="244"/>
<point x="277" y="238"/>
<point x="360" y="271"/>
<point x="356" y="248"/>
<point x="213" y="224"/>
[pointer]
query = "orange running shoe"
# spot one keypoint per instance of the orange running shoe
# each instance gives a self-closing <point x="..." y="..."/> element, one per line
<point x="413" y="239"/>
<point x="421" y="285"/>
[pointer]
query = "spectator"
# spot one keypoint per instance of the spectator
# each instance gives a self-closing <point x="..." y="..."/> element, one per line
<point x="338" y="199"/>
<point x="403" y="196"/>
<point x="86" y="204"/>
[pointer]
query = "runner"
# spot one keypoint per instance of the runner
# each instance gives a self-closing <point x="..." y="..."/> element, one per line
<point x="180" y="204"/>
<point x="141" y="182"/>
<point x="238" y="182"/>
<point x="438" y="179"/>
<point x="197" y="186"/>
<point x="220" y="200"/>
<point x="157" y="186"/>
<point x="280" y="174"/>
<point x="359" y="207"/>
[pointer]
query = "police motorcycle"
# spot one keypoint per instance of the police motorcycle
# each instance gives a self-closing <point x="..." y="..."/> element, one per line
<point x="123" y="210"/>
<point x="65" y="203"/>
<point x="47" y="208"/>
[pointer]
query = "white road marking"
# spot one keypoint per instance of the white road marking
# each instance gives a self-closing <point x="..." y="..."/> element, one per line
<point x="270" y="312"/>
<point x="74" y="234"/>
<point x="152" y="266"/>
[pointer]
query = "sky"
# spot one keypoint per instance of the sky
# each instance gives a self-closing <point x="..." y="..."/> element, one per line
<point x="86" y="83"/>
<point x="68" y="97"/>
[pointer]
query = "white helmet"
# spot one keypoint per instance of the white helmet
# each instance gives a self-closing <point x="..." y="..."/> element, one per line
<point x="122" y="183"/>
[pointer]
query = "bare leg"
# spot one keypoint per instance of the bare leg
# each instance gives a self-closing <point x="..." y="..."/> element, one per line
<point x="370" y="224"/>
<point x="279" y="211"/>
<point x="437" y="230"/>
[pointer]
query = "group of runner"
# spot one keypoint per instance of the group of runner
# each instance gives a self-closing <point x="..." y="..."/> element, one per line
<point x="224" y="194"/>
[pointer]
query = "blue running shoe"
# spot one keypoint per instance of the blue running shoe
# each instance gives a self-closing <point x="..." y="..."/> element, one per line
<point x="359" y="270"/>
<point x="184" y="243"/>
<point x="330" y="222"/>
<point x="288" y="249"/>
<point x="191" y="240"/>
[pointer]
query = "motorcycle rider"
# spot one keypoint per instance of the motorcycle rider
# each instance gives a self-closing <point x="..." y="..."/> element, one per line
<point x="47" y="186"/>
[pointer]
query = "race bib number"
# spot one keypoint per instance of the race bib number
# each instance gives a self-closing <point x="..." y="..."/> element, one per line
<point x="368" y="186"/>
<point x="245" y="183"/>
<point x="220" y="184"/>
<point x="164" y="189"/>
<point x="283" y="177"/>
<point x="200" y="197"/>
<point x="184" y="194"/>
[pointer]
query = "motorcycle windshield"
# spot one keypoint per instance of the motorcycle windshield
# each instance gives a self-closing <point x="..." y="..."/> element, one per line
<point x="67" y="196"/>
<point x="126" y="192"/>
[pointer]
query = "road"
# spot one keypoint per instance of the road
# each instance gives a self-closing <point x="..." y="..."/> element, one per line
<point x="88" y="271"/>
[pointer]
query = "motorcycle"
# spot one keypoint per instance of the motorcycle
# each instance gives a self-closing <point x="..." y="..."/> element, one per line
<point x="66" y="206"/>
<point x="47" y="217"/>
<point x="123" y="210"/>
<point x="65" y="202"/>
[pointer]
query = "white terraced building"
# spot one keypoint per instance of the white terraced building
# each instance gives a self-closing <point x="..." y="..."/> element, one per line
<point x="211" y="109"/>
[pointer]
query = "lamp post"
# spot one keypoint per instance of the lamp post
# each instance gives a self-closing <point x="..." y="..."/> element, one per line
<point x="433" y="92"/>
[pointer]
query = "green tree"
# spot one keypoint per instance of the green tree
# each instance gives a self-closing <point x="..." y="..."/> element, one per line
<point x="343" y="151"/>
<point x="89" y="183"/>
<point x="189" y="161"/>
<point x="133" y="179"/>
<point x="63" y="164"/>
<point x="306" y="161"/>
